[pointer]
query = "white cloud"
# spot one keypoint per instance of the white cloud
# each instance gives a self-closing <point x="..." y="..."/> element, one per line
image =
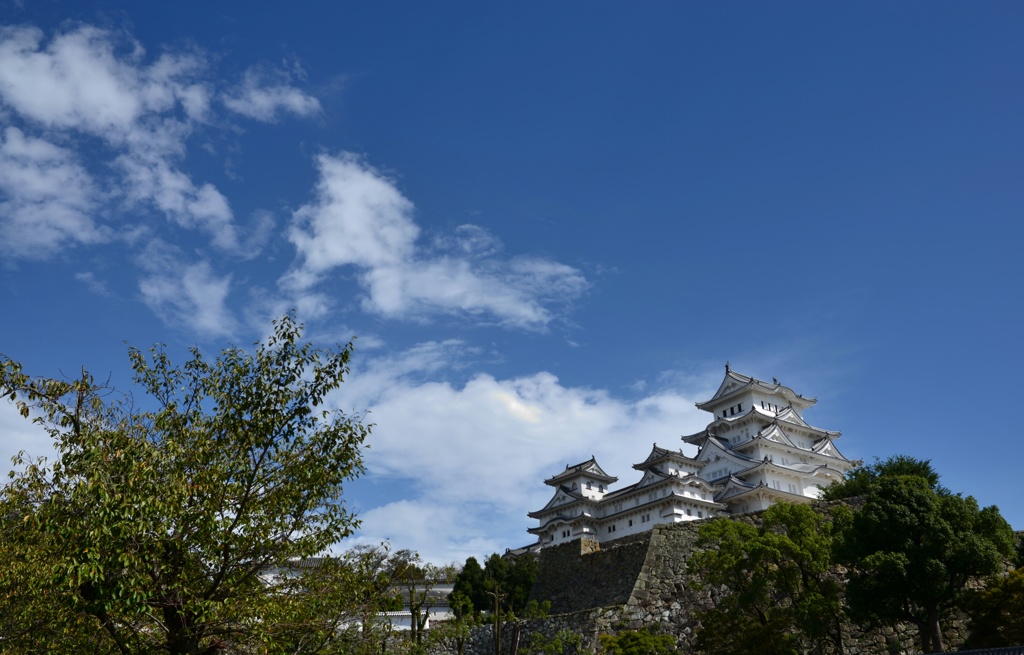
<point x="154" y="180"/>
<point x="86" y="84"/>
<point x="46" y="198"/>
<point x="94" y="284"/>
<point x="20" y="434"/>
<point x="443" y="533"/>
<point x="94" y="81"/>
<point x="185" y="294"/>
<point x="75" y="82"/>
<point x="360" y="219"/>
<point x="480" y="452"/>
<point x="263" y="95"/>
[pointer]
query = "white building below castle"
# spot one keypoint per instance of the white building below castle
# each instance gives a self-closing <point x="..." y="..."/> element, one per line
<point x="757" y="450"/>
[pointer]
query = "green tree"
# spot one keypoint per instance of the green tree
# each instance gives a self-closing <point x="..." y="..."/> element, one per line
<point x="155" y="526"/>
<point x="470" y="584"/>
<point x="997" y="612"/>
<point x="781" y="595"/>
<point x="912" y="546"/>
<point x="508" y="578"/>
<point x="859" y="480"/>
<point x="638" y="642"/>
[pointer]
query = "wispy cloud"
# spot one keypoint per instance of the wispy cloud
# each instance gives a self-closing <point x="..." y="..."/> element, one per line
<point x="86" y="84"/>
<point x="359" y="218"/>
<point x="182" y="292"/>
<point x="265" y="94"/>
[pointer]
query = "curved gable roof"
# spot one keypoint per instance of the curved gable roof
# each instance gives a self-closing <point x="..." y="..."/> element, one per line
<point x="736" y="383"/>
<point x="826" y="447"/>
<point x="659" y="455"/>
<point x="588" y="468"/>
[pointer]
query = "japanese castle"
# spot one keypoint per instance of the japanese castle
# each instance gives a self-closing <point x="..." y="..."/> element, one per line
<point x="757" y="450"/>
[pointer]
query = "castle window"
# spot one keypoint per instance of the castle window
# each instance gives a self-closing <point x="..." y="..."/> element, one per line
<point x="600" y="487"/>
<point x="588" y="485"/>
<point x="700" y="515"/>
<point x="732" y="411"/>
<point x="574" y="486"/>
<point x="630" y="522"/>
<point x="723" y="413"/>
<point x="689" y="512"/>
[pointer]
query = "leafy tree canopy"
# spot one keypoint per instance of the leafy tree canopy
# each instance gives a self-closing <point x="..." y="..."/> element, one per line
<point x="637" y="642"/>
<point x="859" y="480"/>
<point x="780" y="594"/>
<point x="912" y="547"/>
<point x="156" y="526"/>
<point x="510" y="579"/>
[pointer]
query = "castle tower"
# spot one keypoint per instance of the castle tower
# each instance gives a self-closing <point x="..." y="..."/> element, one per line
<point x="757" y="450"/>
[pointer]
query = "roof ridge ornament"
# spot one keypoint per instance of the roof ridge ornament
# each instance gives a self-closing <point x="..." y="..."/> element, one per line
<point x="727" y="369"/>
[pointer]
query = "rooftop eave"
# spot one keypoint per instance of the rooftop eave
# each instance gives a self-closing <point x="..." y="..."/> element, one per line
<point x="696" y="439"/>
<point x="746" y="383"/>
<point x="589" y="468"/>
<point x="659" y="455"/>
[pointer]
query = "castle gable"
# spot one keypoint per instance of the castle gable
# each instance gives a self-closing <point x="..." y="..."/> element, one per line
<point x="827" y="448"/>
<point x="589" y="469"/>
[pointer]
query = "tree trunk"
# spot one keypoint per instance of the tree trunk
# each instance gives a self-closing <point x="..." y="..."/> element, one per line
<point x="935" y="631"/>
<point x="837" y="636"/>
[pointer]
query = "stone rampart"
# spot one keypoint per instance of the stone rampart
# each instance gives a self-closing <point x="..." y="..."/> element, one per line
<point x="582" y="574"/>
<point x="643" y="581"/>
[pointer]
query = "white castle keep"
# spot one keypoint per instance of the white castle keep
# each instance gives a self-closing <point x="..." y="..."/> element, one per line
<point x="758" y="450"/>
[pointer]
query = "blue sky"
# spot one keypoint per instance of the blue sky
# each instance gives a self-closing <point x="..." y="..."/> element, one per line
<point x="549" y="224"/>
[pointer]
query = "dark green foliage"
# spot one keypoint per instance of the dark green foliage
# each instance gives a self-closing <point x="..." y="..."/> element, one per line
<point x="912" y="547"/>
<point x="780" y="593"/>
<point x="471" y="585"/>
<point x="997" y="613"/>
<point x="858" y="481"/>
<point x="564" y="642"/>
<point x="510" y="579"/>
<point x="638" y="642"/>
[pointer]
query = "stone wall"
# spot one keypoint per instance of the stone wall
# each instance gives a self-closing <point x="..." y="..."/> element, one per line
<point x="583" y="574"/>
<point x="643" y="581"/>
